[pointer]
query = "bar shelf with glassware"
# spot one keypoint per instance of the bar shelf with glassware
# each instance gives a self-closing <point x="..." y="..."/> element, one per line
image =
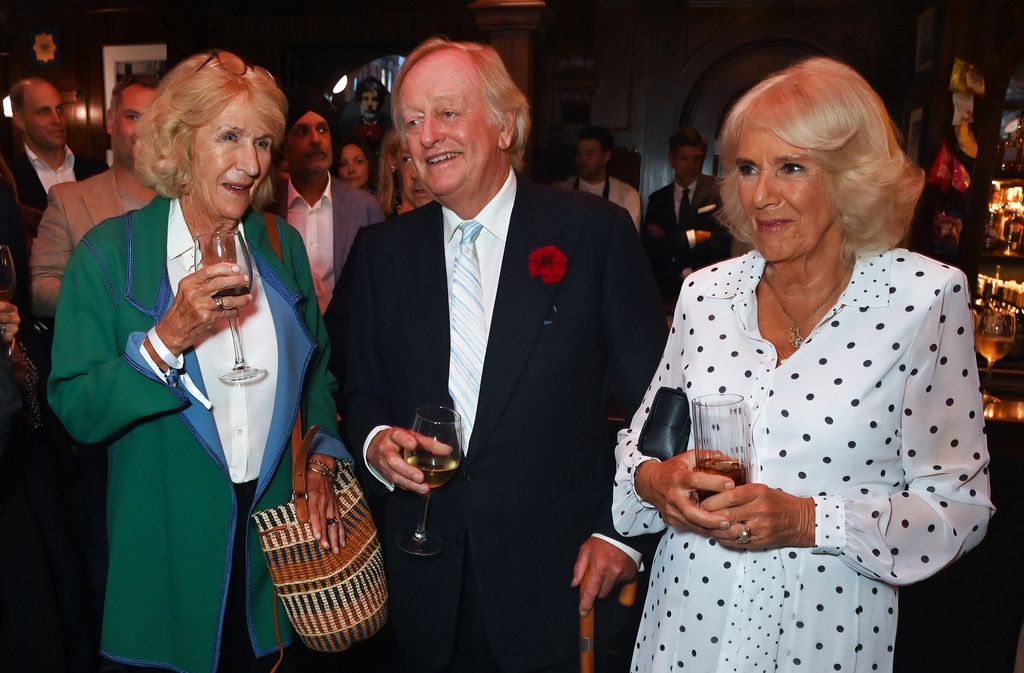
<point x="1003" y="294"/>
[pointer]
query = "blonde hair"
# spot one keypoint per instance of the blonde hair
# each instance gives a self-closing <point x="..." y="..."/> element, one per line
<point x="191" y="96"/>
<point x="500" y="91"/>
<point x="387" y="171"/>
<point x="828" y="109"/>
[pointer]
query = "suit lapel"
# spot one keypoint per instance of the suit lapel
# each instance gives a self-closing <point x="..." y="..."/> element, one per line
<point x="520" y="308"/>
<point x="419" y="271"/>
<point x="102" y="203"/>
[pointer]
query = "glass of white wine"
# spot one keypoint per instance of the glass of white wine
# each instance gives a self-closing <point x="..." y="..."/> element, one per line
<point x="437" y="455"/>
<point x="994" y="331"/>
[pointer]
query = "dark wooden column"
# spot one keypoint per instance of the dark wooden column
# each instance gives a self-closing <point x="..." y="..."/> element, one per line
<point x="512" y="25"/>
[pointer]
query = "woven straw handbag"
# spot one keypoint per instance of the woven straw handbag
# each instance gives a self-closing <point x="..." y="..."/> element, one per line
<point x="332" y="601"/>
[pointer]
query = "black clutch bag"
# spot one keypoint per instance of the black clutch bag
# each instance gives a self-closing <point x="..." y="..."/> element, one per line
<point x="667" y="429"/>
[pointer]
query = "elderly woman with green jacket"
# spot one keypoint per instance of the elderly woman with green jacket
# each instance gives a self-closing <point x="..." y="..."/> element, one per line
<point x="141" y="336"/>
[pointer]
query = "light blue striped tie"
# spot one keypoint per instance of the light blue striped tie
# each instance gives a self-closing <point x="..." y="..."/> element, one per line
<point x="468" y="330"/>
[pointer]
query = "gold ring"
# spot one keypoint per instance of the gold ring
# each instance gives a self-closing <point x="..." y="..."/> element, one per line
<point x="218" y="303"/>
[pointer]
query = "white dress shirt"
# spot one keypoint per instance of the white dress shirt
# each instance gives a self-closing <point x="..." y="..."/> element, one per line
<point x="241" y="412"/>
<point x="48" y="176"/>
<point x="677" y="199"/>
<point x="494" y="219"/>
<point x="316" y="224"/>
<point x="620" y="193"/>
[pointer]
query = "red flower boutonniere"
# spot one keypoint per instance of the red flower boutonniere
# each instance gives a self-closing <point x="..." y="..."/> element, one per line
<point x="549" y="263"/>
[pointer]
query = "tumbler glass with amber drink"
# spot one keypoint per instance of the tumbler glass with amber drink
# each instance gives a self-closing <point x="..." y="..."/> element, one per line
<point x="721" y="437"/>
<point x="437" y="454"/>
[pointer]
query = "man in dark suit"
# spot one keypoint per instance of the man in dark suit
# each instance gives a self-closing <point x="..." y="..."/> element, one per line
<point x="38" y="111"/>
<point x="549" y="294"/>
<point x="680" y="232"/>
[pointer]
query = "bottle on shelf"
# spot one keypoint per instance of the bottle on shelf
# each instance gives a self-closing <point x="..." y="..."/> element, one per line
<point x="1011" y="150"/>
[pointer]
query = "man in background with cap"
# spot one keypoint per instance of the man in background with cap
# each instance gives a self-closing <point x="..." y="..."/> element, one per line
<point x="328" y="213"/>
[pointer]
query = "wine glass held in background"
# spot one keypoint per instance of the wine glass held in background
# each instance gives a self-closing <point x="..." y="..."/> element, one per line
<point x="228" y="245"/>
<point x="438" y="432"/>
<point x="994" y="331"/>
<point x="721" y="438"/>
<point x="8" y="278"/>
<point x="8" y="284"/>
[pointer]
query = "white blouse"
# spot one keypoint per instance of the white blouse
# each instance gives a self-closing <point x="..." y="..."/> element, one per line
<point x="877" y="417"/>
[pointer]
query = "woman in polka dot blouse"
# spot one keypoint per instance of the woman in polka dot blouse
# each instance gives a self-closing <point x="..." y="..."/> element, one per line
<point x="856" y="362"/>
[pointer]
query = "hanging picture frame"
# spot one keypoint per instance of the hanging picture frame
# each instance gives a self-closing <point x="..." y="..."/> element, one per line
<point x="121" y="60"/>
<point x="924" y="53"/>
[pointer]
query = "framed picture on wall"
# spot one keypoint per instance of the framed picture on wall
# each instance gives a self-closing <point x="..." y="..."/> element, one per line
<point x="121" y="60"/>
<point x="915" y="128"/>
<point x="925" y="52"/>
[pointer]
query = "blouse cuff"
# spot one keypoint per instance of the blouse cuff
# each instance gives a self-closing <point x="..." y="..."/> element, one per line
<point x="829" y="525"/>
<point x="632" y="481"/>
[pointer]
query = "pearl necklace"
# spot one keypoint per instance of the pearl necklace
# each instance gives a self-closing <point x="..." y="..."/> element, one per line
<point x="795" y="337"/>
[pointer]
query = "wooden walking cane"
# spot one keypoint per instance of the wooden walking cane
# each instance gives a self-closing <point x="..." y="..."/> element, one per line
<point x="627" y="596"/>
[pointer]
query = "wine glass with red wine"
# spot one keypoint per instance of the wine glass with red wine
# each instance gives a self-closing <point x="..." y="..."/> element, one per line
<point x="438" y="452"/>
<point x="228" y="245"/>
<point x="8" y="278"/>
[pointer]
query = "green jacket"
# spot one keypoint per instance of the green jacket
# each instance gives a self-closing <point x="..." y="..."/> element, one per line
<point x="171" y="504"/>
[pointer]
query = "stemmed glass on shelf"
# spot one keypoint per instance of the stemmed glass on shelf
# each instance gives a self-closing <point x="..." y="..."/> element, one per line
<point x="995" y="327"/>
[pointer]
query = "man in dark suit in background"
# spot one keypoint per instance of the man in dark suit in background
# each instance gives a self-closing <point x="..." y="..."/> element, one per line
<point x="513" y="302"/>
<point x="38" y="111"/>
<point x="680" y="232"/>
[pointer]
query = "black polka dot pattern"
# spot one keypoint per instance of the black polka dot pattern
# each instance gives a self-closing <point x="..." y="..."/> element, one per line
<point x="876" y="417"/>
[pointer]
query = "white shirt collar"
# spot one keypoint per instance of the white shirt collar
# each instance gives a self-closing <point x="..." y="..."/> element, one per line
<point x="294" y="194"/>
<point x="679" y="188"/>
<point x="180" y="244"/>
<point x="869" y="284"/>
<point x="494" y="217"/>
<point x="69" y="158"/>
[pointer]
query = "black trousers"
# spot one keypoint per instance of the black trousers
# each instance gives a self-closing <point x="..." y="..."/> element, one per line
<point x="472" y="653"/>
<point x="236" y="654"/>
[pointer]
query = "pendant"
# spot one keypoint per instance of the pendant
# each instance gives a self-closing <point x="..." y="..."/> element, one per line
<point x="796" y="339"/>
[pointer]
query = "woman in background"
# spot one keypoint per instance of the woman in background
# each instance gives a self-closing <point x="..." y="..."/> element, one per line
<point x="356" y="166"/>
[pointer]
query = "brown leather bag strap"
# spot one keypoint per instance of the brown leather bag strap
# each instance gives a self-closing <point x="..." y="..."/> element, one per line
<point x="273" y="235"/>
<point x="300" y="445"/>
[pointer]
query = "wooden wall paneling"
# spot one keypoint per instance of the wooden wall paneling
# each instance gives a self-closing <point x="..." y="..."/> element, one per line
<point x="615" y="45"/>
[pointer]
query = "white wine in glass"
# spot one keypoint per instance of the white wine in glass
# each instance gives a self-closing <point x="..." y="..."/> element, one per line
<point x="439" y="433"/>
<point x="228" y="245"/>
<point x="994" y="332"/>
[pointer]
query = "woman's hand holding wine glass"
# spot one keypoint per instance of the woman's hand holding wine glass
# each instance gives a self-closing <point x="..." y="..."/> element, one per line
<point x="228" y="245"/>
<point x="194" y="313"/>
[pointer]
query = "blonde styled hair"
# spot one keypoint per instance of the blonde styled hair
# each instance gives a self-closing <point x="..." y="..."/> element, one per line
<point x="191" y="96"/>
<point x="500" y="91"/>
<point x="829" y="110"/>
<point x="387" y="171"/>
